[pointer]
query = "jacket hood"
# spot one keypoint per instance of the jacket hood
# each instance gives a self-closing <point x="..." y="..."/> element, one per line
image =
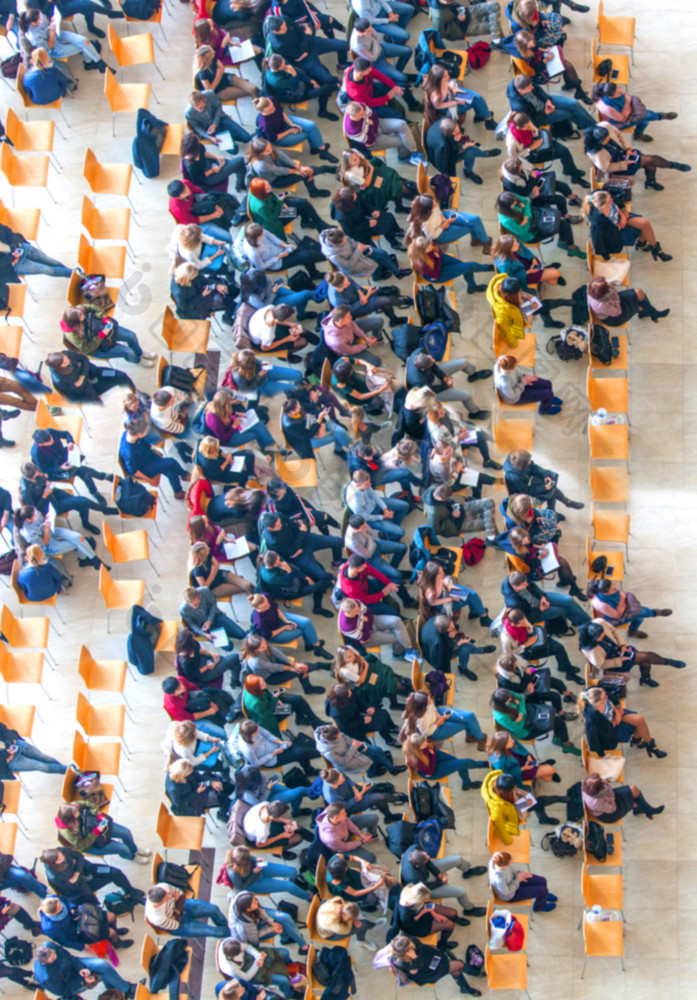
<point x="487" y="790"/>
<point x="493" y="292"/>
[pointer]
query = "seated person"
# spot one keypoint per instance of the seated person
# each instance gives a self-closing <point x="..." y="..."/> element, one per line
<point x="513" y="884"/>
<point x="168" y="909"/>
<point x="609" y="803"/>
<point x="139" y="457"/>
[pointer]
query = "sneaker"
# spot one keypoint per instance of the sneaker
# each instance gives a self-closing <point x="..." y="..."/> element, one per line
<point x="476" y="911"/>
<point x="140" y="859"/>
<point x="417" y="158"/>
<point x="475" y="871"/>
<point x="411" y="654"/>
<point x="368" y="945"/>
<point x="144" y="851"/>
<point x="546" y="908"/>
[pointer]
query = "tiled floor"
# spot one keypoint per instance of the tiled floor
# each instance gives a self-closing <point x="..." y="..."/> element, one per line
<point x="659" y="891"/>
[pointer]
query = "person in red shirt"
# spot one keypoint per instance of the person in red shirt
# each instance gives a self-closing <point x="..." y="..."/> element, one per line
<point x="212" y="211"/>
<point x="362" y="582"/>
<point x="181" y="703"/>
<point x="360" y="85"/>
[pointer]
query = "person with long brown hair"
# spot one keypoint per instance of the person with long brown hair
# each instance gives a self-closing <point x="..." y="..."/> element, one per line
<point x="427" y="218"/>
<point x="422" y="715"/>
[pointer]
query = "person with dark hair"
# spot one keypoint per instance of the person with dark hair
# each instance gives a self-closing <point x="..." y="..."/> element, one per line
<point x="73" y="877"/>
<point x="518" y="217"/>
<point x="510" y="713"/>
<point x="527" y="96"/>
<point x="209" y="171"/>
<point x="441" y="643"/>
<point x="202" y="667"/>
<point x="522" y="475"/>
<point x="626" y="111"/>
<point x="356" y="717"/>
<point x="200" y="613"/>
<point x="417" y="866"/>
<point x="282" y="499"/>
<point x="168" y="909"/>
<point x="298" y="546"/>
<point x="519" y="591"/>
<point x="446" y="145"/>
<point x="611" y="153"/>
<point x="304" y="434"/>
<point x="185" y="702"/>
<point x="50" y="460"/>
<point x="59" y="972"/>
<point x="342" y="834"/>
<point x="602" y="646"/>
<point x="361" y="581"/>
<point x="78" y="379"/>
<point x="261" y="658"/>
<point x="137" y="456"/>
<point x="415" y="962"/>
<point x="190" y="205"/>
<point x="204" y="114"/>
<point x="292" y="85"/>
<point x="300" y="45"/>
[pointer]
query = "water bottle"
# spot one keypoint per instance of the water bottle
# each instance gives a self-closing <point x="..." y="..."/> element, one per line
<point x="595" y="913"/>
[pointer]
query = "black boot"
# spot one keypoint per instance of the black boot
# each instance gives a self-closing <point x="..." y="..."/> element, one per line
<point x="641" y="807"/>
<point x="466" y="988"/>
<point x="316" y="192"/>
<point x="324" y="154"/>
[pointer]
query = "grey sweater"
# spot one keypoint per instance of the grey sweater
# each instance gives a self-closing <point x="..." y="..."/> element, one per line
<point x="504" y="883"/>
<point x="211" y="114"/>
<point x="194" y="618"/>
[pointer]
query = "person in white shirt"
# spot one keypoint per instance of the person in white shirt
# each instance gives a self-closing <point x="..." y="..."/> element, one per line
<point x="264" y="824"/>
<point x="167" y="909"/>
<point x="169" y="410"/>
<point x="187" y="243"/>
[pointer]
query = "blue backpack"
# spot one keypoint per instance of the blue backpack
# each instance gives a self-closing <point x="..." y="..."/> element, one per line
<point x="429" y="836"/>
<point x="434" y="340"/>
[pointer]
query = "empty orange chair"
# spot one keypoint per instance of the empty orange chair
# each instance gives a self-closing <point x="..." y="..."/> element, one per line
<point x="102" y="757"/>
<point x="107" y="260"/>
<point x="602" y="939"/>
<point x="45" y="421"/>
<point x="609" y="484"/>
<point x="106" y="223"/>
<point x="616" y="31"/>
<point x="107" y="178"/>
<point x="23" y="667"/>
<point x="119" y="595"/>
<point x="182" y="833"/>
<point x="125" y="98"/>
<point x="609" y="442"/>
<point x="135" y="51"/>
<point x="24" y="171"/>
<point x="128" y="547"/>
<point x="185" y="336"/>
<point x="102" y="675"/>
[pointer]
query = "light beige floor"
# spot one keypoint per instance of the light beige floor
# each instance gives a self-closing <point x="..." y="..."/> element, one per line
<point x="659" y="893"/>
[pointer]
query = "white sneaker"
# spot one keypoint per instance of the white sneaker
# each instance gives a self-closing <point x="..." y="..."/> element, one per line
<point x="368" y="945"/>
<point x="145" y="851"/>
<point x="149" y="354"/>
<point x="146" y="362"/>
<point x="140" y="859"/>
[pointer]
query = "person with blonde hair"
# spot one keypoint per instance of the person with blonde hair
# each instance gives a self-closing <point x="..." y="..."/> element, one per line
<point x="218" y="466"/>
<point x="416" y="914"/>
<point x="337" y="919"/>
<point x="252" y="375"/>
<point x="205" y="571"/>
<point x="44" y="81"/>
<point x="196" y="298"/>
<point x="613" y="228"/>
<point x="210" y="74"/>
<point x="39" y="578"/>
<point x="191" y="792"/>
<point x="515" y="388"/>
<point x="188" y="245"/>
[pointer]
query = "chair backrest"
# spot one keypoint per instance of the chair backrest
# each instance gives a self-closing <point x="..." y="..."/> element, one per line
<point x="90" y="167"/>
<point x="6" y="160"/>
<point x="112" y="89"/>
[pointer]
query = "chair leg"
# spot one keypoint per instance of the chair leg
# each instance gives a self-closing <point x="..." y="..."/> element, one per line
<point x="60" y="616"/>
<point x="583" y="970"/>
<point x="48" y="696"/>
<point x="29" y="290"/>
<point x="24" y="787"/>
<point x="158" y="70"/>
<point x="151" y="563"/>
<point x="152" y="91"/>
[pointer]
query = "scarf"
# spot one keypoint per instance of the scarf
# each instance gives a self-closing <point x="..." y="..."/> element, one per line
<point x="524" y="136"/>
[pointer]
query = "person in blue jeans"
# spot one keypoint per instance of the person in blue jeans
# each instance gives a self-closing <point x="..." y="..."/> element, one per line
<point x="422" y="756"/>
<point x="433" y="265"/>
<point x="22" y="880"/>
<point x="138" y="456"/>
<point x="247" y="873"/>
<point x="423" y="716"/>
<point x="27" y="757"/>
<point x="253" y="923"/>
<point x="66" y="975"/>
<point x="96" y="833"/>
<point x="167" y="909"/>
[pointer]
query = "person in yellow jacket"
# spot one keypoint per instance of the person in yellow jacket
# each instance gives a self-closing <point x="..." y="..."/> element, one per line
<point x="499" y="792"/>
<point x="505" y="295"/>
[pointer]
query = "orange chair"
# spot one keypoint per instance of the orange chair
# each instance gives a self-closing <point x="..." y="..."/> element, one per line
<point x="611" y="526"/>
<point x="119" y="595"/>
<point x="10" y="336"/>
<point x="25" y="171"/>
<point x="76" y="298"/>
<point x="512" y="435"/>
<point x="128" y="547"/>
<point x="609" y="442"/>
<point x="17" y="301"/>
<point x="615" y="562"/>
<point x="102" y="675"/>
<point x="602" y="890"/>
<point x="604" y="939"/>
<point x="620" y="64"/>
<point x="611" y="394"/>
<point x="69" y="793"/>
<point x="45" y="421"/>
<point x="11" y="791"/>
<point x="135" y="51"/>
<point x="31" y="137"/>
<point x="185" y="336"/>
<point x="616" y="31"/>
<point x="107" y="178"/>
<point x="23" y="667"/>
<point x="107" y="260"/>
<point x="24" y="633"/>
<point x="106" y="223"/>
<point x="524" y="918"/>
<point x="173" y="141"/>
<point x="519" y="848"/>
<point x="102" y="757"/>
<point x="312" y="926"/>
<point x="150" y="516"/>
<point x="101" y="720"/>
<point x="155" y="19"/>
<point x="506" y="971"/>
<point x="179" y="833"/>
<point x="125" y="98"/>
<point x="8" y="838"/>
<point x="19" y="717"/>
<point x="609" y="484"/>
<point x="298" y="473"/>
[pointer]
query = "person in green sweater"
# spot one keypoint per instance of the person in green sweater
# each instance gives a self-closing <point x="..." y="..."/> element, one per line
<point x="265" y="209"/>
<point x="268" y="708"/>
<point x="512" y="713"/>
<point x="532" y="225"/>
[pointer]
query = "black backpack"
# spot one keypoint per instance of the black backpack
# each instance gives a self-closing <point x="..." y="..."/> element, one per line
<point x="574" y="803"/>
<point x="594" y="838"/>
<point x="579" y="308"/>
<point x="399" y="836"/>
<point x="16" y="951"/>
<point x="404" y="339"/>
<point x="178" y="378"/>
<point x="176" y="875"/>
<point x="600" y="344"/>
<point x="133" y="498"/>
<point x="426" y="803"/>
<point x="433" y="308"/>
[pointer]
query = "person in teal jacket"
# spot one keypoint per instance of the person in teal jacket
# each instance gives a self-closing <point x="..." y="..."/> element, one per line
<point x="261" y="705"/>
<point x="510" y="757"/>
<point x="511" y="713"/>
<point x="529" y="224"/>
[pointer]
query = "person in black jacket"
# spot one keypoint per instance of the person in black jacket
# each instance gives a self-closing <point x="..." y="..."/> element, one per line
<point x="529" y="97"/>
<point x="422" y="370"/>
<point x="281" y="499"/>
<point x="290" y="84"/>
<point x="36" y="491"/>
<point x="295" y="545"/>
<point x="446" y="146"/>
<point x="285" y="582"/>
<point x="415" y="962"/>
<point x="613" y="228"/>
<point x="440" y="644"/>
<point x="302" y="47"/>
<point x="348" y="210"/>
<point x="76" y="879"/>
<point x="346" y="708"/>
<point x="607" y="725"/>
<point x="192" y="791"/>
<point x="304" y="434"/>
<point x="50" y="455"/>
<point x="77" y="378"/>
<point x="197" y="297"/>
<point x="522" y="475"/>
<point x="519" y="591"/>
